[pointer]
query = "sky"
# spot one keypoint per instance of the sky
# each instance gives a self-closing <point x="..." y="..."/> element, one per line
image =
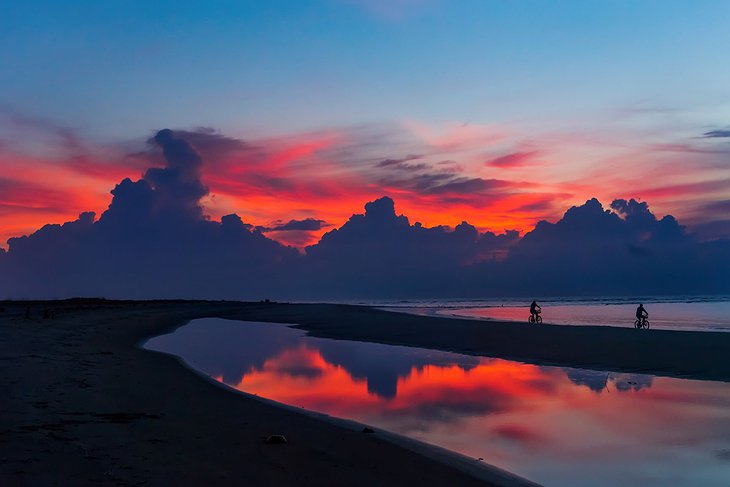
<point x="497" y="113"/>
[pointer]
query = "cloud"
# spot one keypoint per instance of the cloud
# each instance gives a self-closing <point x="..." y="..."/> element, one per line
<point x="463" y="185"/>
<point x="686" y="149"/>
<point x="207" y="142"/>
<point x="520" y="433"/>
<point x="447" y="183"/>
<point x="16" y="195"/>
<point x="402" y="164"/>
<point x="306" y="225"/>
<point x="624" y="250"/>
<point x="685" y="189"/>
<point x="168" y="234"/>
<point x="152" y="252"/>
<point x="513" y="159"/>
<point x="297" y="233"/>
<point x="719" y="133"/>
<point x="380" y="252"/>
<point x="720" y="207"/>
<point x="153" y="240"/>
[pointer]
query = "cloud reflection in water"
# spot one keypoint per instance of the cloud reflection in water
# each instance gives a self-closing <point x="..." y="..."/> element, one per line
<point x="557" y="426"/>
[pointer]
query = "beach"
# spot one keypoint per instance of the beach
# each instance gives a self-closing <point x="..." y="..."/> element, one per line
<point x="83" y="403"/>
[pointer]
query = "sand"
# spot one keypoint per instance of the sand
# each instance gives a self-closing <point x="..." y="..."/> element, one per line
<point x="83" y="404"/>
<point x="684" y="354"/>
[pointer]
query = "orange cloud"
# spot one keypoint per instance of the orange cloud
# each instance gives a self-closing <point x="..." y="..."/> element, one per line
<point x="329" y="175"/>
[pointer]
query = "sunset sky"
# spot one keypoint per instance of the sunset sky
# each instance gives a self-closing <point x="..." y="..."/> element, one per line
<point x="498" y="113"/>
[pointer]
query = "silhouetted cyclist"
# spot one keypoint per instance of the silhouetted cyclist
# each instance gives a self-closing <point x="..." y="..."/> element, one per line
<point x="535" y="310"/>
<point x="641" y="318"/>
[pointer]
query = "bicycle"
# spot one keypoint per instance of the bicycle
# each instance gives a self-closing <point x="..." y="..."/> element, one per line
<point x="532" y="319"/>
<point x="641" y="323"/>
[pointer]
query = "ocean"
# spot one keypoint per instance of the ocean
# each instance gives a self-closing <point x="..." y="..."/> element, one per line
<point x="698" y="313"/>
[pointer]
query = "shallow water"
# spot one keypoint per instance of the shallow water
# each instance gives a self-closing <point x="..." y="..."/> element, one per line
<point x="556" y="426"/>
<point x="679" y="313"/>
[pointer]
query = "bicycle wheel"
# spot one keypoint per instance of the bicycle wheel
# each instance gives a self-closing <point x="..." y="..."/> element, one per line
<point x="646" y="324"/>
<point x="637" y="324"/>
<point x="531" y="319"/>
<point x="539" y="319"/>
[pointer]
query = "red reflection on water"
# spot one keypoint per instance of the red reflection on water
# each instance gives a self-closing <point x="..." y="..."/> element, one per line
<point x="526" y="418"/>
<point x="301" y="376"/>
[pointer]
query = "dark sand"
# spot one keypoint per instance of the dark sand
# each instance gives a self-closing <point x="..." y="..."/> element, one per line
<point x="82" y="404"/>
<point x="685" y="354"/>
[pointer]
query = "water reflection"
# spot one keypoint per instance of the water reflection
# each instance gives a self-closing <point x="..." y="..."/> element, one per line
<point x="556" y="426"/>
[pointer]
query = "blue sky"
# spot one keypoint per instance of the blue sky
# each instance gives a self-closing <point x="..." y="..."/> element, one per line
<point x="115" y="69"/>
<point x="552" y="102"/>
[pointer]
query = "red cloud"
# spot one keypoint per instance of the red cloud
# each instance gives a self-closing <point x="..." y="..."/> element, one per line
<point x="329" y="174"/>
<point x="513" y="159"/>
<point x="518" y="432"/>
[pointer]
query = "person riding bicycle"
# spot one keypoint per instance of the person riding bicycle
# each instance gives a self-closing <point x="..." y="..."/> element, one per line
<point x="641" y="313"/>
<point x="535" y="310"/>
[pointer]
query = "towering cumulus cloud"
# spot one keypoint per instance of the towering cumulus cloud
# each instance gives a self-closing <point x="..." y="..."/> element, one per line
<point x="155" y="241"/>
<point x="624" y="250"/>
<point x="382" y="254"/>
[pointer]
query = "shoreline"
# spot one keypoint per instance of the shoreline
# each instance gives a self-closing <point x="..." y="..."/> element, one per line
<point x="482" y="470"/>
<point x="462" y="313"/>
<point x="87" y="405"/>
<point x="699" y="355"/>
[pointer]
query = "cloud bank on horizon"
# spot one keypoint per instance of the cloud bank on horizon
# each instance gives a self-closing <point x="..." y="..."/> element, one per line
<point x="155" y="240"/>
<point x="296" y="187"/>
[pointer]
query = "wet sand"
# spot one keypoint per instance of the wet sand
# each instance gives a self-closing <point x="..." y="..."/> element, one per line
<point x="684" y="354"/>
<point x="83" y="404"/>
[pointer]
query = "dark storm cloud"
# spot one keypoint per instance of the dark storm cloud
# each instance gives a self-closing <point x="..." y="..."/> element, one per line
<point x="382" y="253"/>
<point x="306" y="225"/>
<point x="622" y="250"/>
<point x="468" y="186"/>
<point x="207" y="142"/>
<point x="445" y="183"/>
<point x="154" y="240"/>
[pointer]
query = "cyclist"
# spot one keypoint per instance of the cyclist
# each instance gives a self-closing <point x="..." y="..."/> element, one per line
<point x="534" y="310"/>
<point x="641" y="313"/>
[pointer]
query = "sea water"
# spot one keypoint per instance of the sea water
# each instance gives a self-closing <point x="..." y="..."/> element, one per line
<point x="700" y="313"/>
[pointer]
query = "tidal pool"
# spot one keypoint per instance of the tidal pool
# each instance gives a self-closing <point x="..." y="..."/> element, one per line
<point x="555" y="426"/>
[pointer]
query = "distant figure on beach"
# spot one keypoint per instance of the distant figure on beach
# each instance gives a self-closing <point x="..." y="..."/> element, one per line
<point x="535" y="310"/>
<point x="641" y="318"/>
